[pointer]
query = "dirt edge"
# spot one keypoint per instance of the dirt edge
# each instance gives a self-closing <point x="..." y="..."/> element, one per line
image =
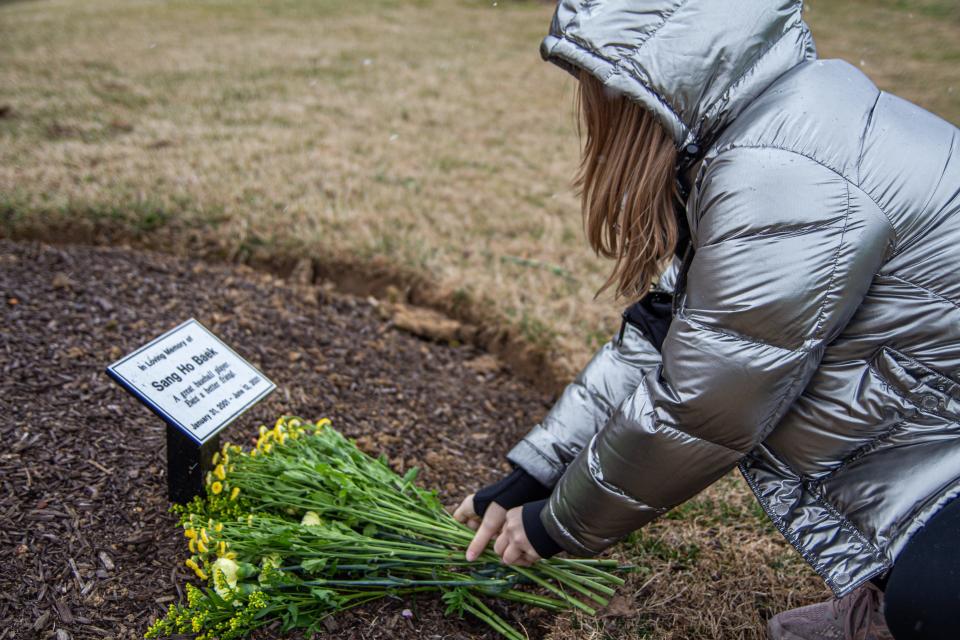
<point x="540" y="364"/>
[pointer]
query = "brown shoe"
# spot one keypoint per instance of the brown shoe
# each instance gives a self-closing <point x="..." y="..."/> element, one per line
<point x="856" y="616"/>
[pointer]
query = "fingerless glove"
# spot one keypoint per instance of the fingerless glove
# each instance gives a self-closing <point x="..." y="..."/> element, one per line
<point x="520" y="488"/>
<point x="512" y="491"/>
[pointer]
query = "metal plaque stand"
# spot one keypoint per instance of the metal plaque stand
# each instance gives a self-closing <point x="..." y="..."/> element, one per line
<point x="187" y="464"/>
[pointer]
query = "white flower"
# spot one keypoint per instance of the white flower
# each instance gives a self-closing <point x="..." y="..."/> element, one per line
<point x="227" y="569"/>
<point x="311" y="519"/>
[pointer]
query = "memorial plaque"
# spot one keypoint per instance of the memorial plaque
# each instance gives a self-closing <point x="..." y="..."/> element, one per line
<point x="197" y="385"/>
<point x="192" y="380"/>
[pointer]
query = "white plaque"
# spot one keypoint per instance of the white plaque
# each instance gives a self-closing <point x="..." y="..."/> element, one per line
<point x="192" y="380"/>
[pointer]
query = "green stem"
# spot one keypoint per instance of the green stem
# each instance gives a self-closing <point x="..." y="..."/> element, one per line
<point x="585" y="581"/>
<point x="549" y="587"/>
<point x="574" y="584"/>
<point x="543" y="602"/>
<point x="588" y="566"/>
<point x="483" y="612"/>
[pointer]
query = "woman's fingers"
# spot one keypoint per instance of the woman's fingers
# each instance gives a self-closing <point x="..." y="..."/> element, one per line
<point x="484" y="532"/>
<point x="500" y="544"/>
<point x="512" y="555"/>
<point x="465" y="514"/>
<point x="465" y="511"/>
<point x="489" y="527"/>
<point x="512" y="544"/>
<point x="515" y="554"/>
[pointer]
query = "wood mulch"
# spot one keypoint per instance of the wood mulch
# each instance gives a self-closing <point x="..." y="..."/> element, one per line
<point x="87" y="546"/>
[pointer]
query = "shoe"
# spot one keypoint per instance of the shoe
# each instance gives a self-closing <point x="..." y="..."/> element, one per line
<point x="856" y="616"/>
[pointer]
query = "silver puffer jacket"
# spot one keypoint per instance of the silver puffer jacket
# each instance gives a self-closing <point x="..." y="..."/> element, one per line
<point x="815" y="333"/>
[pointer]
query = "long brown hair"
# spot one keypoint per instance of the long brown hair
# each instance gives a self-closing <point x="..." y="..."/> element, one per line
<point x="627" y="185"/>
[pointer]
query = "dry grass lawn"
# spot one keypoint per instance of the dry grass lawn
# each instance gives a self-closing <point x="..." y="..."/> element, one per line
<point x="428" y="134"/>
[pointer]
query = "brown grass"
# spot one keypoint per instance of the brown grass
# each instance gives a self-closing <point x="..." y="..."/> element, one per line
<point x="428" y="135"/>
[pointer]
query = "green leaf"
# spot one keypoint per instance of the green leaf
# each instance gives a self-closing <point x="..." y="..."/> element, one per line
<point x="325" y="596"/>
<point x="314" y="565"/>
<point x="454" y="599"/>
<point x="215" y="598"/>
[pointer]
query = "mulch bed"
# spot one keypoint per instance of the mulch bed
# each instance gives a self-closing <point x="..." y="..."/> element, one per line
<point x="87" y="546"/>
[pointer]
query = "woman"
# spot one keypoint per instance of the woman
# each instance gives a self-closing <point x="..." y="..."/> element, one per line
<point x="806" y="328"/>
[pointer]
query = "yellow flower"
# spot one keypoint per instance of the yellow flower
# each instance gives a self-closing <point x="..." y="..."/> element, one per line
<point x="216" y="457"/>
<point x="263" y="431"/>
<point x="209" y="478"/>
<point x="190" y="532"/>
<point x="281" y="438"/>
<point x="253" y="453"/>
<point x="193" y="545"/>
<point x="204" y="536"/>
<point x="230" y="555"/>
<point x="267" y="447"/>
<point x="220" y="472"/>
<point x="234" y="493"/>
<point x="202" y="548"/>
<point x="216" y="487"/>
<point x="191" y="564"/>
<point x="201" y="574"/>
<point x="294" y="423"/>
<point x="218" y="527"/>
<point x="221" y="548"/>
<point x="194" y="595"/>
<point x="278" y="423"/>
<point x="321" y="423"/>
<point x="249" y="519"/>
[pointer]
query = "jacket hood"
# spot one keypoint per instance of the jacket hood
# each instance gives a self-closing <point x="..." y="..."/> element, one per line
<point x="695" y="63"/>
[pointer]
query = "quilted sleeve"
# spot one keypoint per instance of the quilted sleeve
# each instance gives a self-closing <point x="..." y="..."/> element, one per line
<point x="588" y="402"/>
<point x="785" y="251"/>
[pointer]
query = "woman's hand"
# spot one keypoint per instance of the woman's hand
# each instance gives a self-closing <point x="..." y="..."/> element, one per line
<point x="512" y="544"/>
<point x="486" y="528"/>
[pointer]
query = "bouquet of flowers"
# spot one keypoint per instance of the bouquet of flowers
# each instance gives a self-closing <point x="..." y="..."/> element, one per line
<point x="305" y="525"/>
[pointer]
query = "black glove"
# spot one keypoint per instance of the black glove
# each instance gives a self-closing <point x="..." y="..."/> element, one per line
<point x="520" y="488"/>
<point x="516" y="489"/>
